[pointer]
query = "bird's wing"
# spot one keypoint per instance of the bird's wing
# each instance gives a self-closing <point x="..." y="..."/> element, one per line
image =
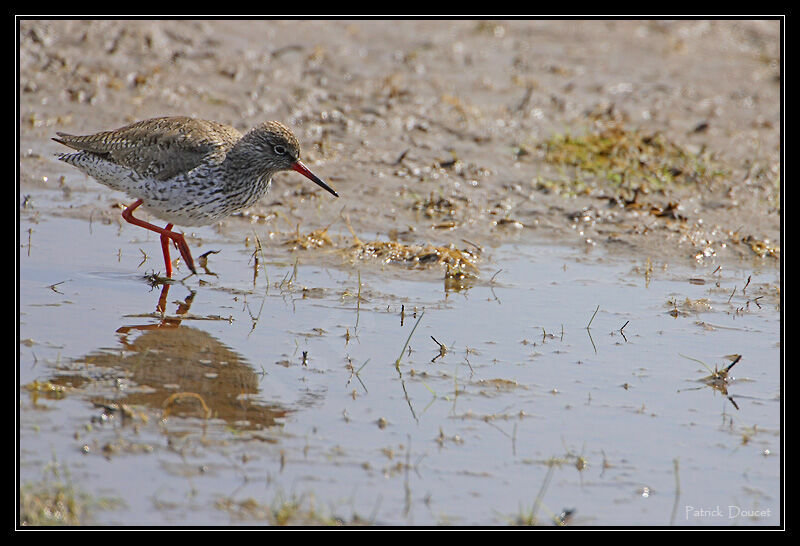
<point x="159" y="148"/>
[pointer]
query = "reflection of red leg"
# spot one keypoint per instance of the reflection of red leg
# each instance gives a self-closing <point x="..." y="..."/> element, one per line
<point x="180" y="241"/>
<point x="162" y="299"/>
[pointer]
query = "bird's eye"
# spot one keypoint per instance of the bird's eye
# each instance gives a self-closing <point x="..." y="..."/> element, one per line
<point x="280" y="150"/>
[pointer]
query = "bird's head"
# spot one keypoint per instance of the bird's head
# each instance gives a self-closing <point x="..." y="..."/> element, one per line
<point x="278" y="149"/>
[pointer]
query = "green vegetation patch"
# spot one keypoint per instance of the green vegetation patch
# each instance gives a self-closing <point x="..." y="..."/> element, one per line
<point x="50" y="504"/>
<point x="629" y="159"/>
<point x="294" y="511"/>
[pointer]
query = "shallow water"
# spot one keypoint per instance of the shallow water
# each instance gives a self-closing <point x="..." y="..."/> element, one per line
<point x="526" y="402"/>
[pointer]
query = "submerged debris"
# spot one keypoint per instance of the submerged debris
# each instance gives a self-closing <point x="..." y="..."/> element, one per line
<point x="458" y="262"/>
<point x="316" y="239"/>
<point x="719" y="379"/>
<point x="459" y="265"/>
<point x="762" y="248"/>
<point x="47" y="389"/>
<point x="435" y="208"/>
<point x="688" y="306"/>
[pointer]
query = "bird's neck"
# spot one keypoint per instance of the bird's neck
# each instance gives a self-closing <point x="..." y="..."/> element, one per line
<point x="244" y="160"/>
<point x="246" y="176"/>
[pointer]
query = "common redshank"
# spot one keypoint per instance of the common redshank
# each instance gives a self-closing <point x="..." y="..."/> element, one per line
<point x="187" y="171"/>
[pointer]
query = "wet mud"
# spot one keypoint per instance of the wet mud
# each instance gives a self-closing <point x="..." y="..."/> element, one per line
<point x="448" y="130"/>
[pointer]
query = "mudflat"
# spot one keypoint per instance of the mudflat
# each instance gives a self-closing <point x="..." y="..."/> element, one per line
<point x="644" y="136"/>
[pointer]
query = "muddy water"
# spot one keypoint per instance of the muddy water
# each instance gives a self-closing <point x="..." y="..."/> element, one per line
<point x="462" y="435"/>
<point x="237" y="395"/>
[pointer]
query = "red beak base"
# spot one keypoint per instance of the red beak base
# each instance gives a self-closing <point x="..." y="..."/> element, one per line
<point x="302" y="169"/>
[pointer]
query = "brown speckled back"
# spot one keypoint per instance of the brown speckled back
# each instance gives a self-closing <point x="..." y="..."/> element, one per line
<point x="159" y="148"/>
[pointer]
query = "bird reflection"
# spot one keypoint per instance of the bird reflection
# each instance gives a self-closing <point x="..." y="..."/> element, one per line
<point x="169" y="357"/>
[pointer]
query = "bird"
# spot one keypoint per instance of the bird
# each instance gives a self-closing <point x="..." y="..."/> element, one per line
<point x="186" y="171"/>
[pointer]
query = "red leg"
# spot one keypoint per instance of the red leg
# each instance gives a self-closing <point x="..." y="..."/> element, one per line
<point x="165" y="250"/>
<point x="180" y="241"/>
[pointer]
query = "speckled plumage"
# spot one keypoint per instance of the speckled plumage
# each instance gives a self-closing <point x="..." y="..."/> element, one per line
<point x="187" y="171"/>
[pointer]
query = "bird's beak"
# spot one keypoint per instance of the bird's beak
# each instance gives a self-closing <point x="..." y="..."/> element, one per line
<point x="302" y="169"/>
